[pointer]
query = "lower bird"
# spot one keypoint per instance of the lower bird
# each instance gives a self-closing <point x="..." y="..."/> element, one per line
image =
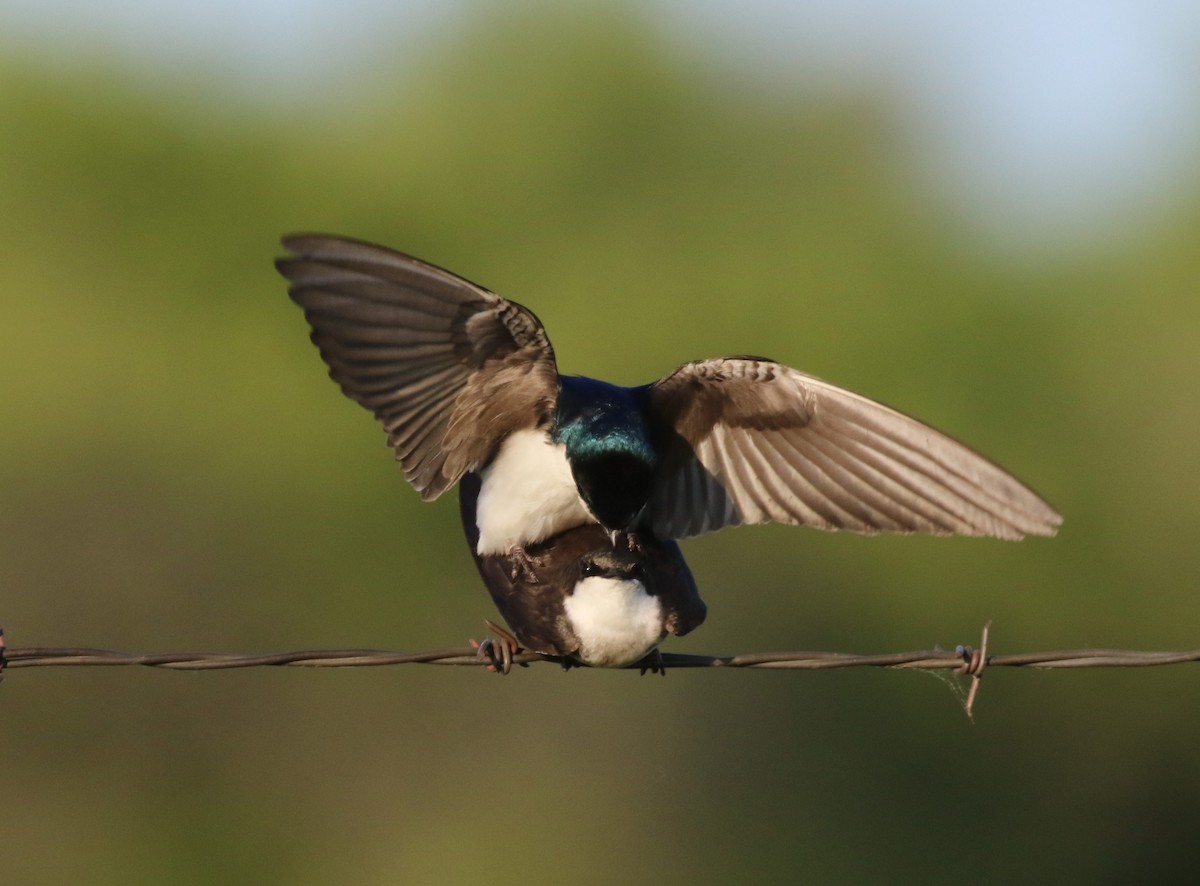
<point x="581" y="598"/>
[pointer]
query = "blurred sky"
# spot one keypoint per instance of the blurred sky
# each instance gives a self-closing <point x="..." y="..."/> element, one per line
<point x="1044" y="123"/>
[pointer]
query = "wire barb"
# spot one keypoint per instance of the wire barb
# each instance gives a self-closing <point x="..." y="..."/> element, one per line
<point x="974" y="661"/>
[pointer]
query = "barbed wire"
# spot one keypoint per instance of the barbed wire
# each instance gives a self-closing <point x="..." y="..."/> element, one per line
<point x="929" y="659"/>
<point x="966" y="659"/>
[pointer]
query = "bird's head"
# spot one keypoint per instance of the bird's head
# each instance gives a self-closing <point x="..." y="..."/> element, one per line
<point x="612" y="462"/>
<point x="612" y="564"/>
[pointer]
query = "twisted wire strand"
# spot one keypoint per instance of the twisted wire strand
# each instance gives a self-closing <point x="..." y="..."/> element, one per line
<point x="928" y="659"/>
<point x="966" y="660"/>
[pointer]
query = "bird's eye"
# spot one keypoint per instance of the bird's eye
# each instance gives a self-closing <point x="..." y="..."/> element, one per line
<point x="590" y="568"/>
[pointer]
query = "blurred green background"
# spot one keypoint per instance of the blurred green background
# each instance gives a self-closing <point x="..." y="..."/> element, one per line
<point x="178" y="473"/>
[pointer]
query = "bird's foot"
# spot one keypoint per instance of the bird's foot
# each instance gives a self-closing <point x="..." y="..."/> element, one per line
<point x="652" y="662"/>
<point x="498" y="652"/>
<point x="631" y="541"/>
<point x="523" y="564"/>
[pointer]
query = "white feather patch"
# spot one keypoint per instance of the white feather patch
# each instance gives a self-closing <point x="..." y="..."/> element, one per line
<point x="616" y="621"/>
<point x="528" y="494"/>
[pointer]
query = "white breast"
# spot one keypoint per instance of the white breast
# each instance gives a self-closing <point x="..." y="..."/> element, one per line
<point x="616" y="621"/>
<point x="528" y="494"/>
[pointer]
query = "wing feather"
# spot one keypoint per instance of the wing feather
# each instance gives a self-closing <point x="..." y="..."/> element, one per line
<point x="879" y="499"/>
<point x="447" y="367"/>
<point x="747" y="440"/>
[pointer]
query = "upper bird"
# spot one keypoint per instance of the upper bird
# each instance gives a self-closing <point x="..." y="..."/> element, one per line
<point x="464" y="380"/>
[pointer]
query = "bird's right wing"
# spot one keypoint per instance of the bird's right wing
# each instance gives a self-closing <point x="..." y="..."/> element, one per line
<point x="447" y="367"/>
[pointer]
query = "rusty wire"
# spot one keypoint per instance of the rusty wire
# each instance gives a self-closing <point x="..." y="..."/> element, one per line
<point x="966" y="659"/>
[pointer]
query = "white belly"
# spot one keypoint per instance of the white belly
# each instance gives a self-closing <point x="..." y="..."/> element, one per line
<point x="616" y="621"/>
<point x="528" y="494"/>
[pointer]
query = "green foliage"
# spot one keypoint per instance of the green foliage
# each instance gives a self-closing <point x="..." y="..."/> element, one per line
<point x="177" y="472"/>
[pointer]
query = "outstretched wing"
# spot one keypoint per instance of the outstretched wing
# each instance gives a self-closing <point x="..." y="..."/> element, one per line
<point x="447" y="367"/>
<point x="747" y="440"/>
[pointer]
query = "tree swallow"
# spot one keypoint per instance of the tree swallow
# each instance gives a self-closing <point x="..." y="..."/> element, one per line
<point x="466" y="381"/>
<point x="578" y="596"/>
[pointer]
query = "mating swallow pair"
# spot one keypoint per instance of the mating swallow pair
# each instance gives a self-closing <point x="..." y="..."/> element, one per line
<point x="572" y="489"/>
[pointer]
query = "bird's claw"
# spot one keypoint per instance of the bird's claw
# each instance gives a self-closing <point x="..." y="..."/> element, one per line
<point x="497" y="655"/>
<point x="497" y="652"/>
<point x="523" y="564"/>
<point x="652" y="662"/>
<point x="633" y="541"/>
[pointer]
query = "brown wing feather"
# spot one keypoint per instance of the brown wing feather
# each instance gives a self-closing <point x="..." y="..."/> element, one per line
<point x="747" y="440"/>
<point x="447" y="367"/>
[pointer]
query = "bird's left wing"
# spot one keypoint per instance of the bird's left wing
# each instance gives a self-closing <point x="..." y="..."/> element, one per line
<point x="447" y="367"/>
<point x="748" y="440"/>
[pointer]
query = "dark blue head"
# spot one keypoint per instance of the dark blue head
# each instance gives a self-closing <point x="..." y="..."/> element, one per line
<point x="608" y="447"/>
